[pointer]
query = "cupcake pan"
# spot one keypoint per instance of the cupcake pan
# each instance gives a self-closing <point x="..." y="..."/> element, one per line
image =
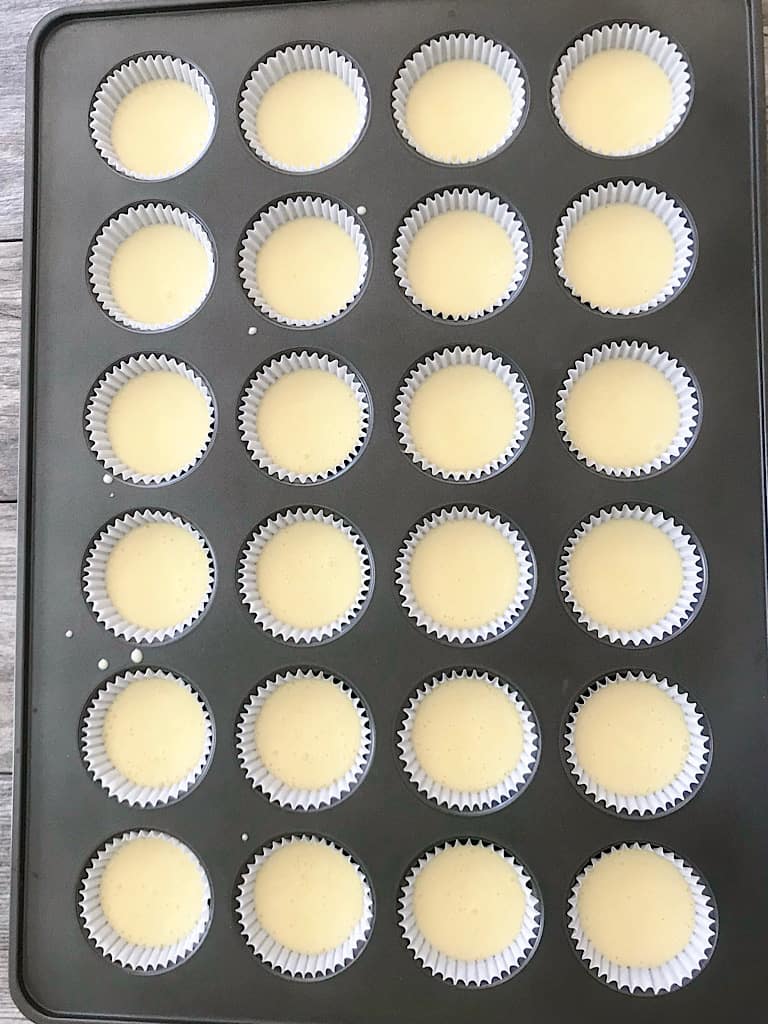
<point x="713" y="165"/>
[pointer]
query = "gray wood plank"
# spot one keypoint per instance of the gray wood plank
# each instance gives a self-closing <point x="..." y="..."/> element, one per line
<point x="7" y="631"/>
<point x="8" y="1011"/>
<point x="10" y="338"/>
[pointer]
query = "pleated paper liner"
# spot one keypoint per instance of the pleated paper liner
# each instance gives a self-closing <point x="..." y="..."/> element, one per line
<point x="277" y="790"/>
<point x="669" y="976"/>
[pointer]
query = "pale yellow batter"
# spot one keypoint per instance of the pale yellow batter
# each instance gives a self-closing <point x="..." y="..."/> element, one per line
<point x="308" y="269"/>
<point x="158" y="423"/>
<point x="157" y="575"/>
<point x="462" y="418"/>
<point x="468" y="902"/>
<point x="461" y="262"/>
<point x="307" y="119"/>
<point x="618" y="256"/>
<point x="467" y="734"/>
<point x="631" y="738"/>
<point x="308" y="897"/>
<point x="636" y="907"/>
<point x="616" y="101"/>
<point x="309" y="574"/>
<point x="160" y="127"/>
<point x="622" y="413"/>
<point x="464" y="574"/>
<point x="159" y="274"/>
<point x="154" y="732"/>
<point x="626" y="574"/>
<point x="152" y="892"/>
<point x="308" y="421"/>
<point x="458" y="111"/>
<point x="308" y="733"/>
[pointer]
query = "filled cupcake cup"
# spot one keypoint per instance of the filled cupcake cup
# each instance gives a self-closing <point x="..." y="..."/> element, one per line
<point x="691" y="593"/>
<point x="640" y="39"/>
<point x="275" y="789"/>
<point x="475" y="973"/>
<point x="686" y="392"/>
<point x="680" y="789"/>
<point x="475" y="201"/>
<point x="288" y="962"/>
<point x="512" y="379"/>
<point x="119" y="228"/>
<point x="646" y="197"/>
<point x="247" y="577"/>
<point x="460" y="46"/>
<point x="672" y="974"/>
<point x="274" y="371"/>
<point x="284" y="212"/>
<point x="112" y="945"/>
<point x="302" y="57"/>
<point x="94" y="577"/>
<point x="100" y="401"/>
<point x="512" y="614"/>
<point x="97" y="760"/>
<point x="129" y="76"/>
<point x="470" y="801"/>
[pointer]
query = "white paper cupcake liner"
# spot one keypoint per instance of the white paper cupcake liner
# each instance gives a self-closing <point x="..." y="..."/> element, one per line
<point x="463" y="199"/>
<point x="100" y="400"/>
<point x="276" y="789"/>
<point x="123" y="80"/>
<point x="97" y="759"/>
<point x="280" y="213"/>
<point x="470" y="801"/>
<point x="117" y="230"/>
<point x="675" y="972"/>
<point x="466" y="356"/>
<point x="489" y="970"/>
<point x="111" y="944"/>
<point x="688" y="401"/>
<point x="510" y="617"/>
<point x="691" y="593"/>
<point x="248" y="579"/>
<point x="287" y="961"/>
<point x="649" y="198"/>
<point x="95" y="569"/>
<point x="460" y="47"/>
<point x="269" y="374"/>
<point x="681" y="788"/>
<point x="300" y="58"/>
<point x="641" y="39"/>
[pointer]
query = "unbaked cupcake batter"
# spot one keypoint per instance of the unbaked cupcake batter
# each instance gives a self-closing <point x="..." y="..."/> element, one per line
<point x="159" y="274"/>
<point x="152" y="892"/>
<point x="461" y="262"/>
<point x="308" y="269"/>
<point x="308" y="733"/>
<point x="468" y="902"/>
<point x="462" y="418"/>
<point x="631" y="738"/>
<point x="307" y="119"/>
<point x="160" y="127"/>
<point x="154" y="732"/>
<point x="309" y="574"/>
<point x="636" y="907"/>
<point x="157" y="575"/>
<point x="458" y="111"/>
<point x="464" y="574"/>
<point x="308" y="897"/>
<point x="622" y="413"/>
<point x="467" y="734"/>
<point x="626" y="574"/>
<point x="619" y="256"/>
<point x="308" y="421"/>
<point x="158" y="423"/>
<point x="616" y="101"/>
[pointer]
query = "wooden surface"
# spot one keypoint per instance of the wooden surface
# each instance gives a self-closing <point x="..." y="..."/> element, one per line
<point x="19" y="17"/>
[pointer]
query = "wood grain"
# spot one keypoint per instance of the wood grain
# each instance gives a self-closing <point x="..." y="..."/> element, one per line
<point x="8" y="1011"/>
<point x="10" y="336"/>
